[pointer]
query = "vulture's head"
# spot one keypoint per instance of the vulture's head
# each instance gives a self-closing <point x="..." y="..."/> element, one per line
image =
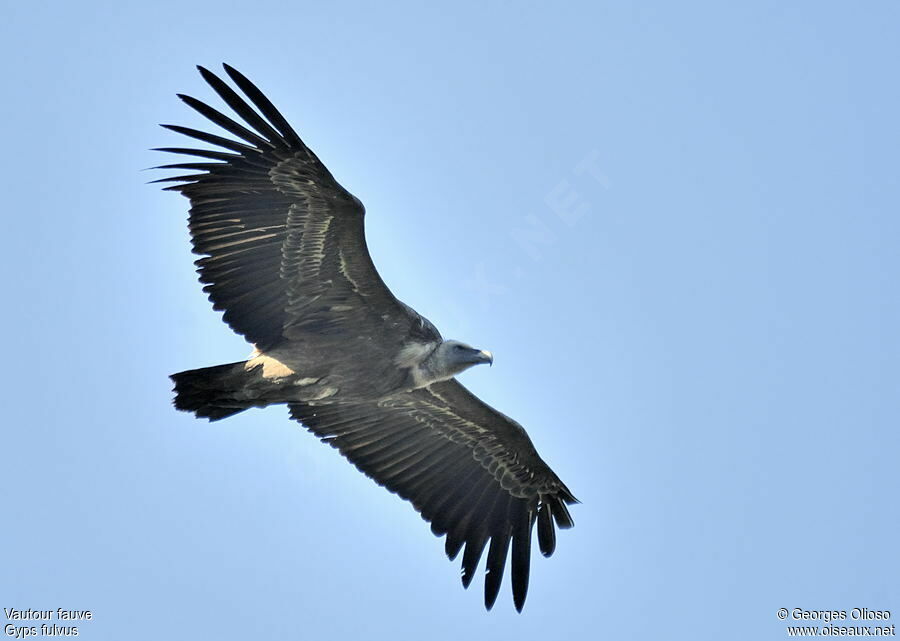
<point x="452" y="357"/>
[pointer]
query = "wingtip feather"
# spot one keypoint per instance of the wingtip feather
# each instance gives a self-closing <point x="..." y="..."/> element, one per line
<point x="452" y="546"/>
<point x="471" y="557"/>
<point x="521" y="554"/>
<point x="546" y="531"/>
<point x="496" y="562"/>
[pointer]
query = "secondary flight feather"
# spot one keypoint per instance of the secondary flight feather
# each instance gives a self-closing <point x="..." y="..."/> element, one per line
<point x="285" y="258"/>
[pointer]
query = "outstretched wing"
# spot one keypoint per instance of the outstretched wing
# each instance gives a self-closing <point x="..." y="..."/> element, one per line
<point x="284" y="244"/>
<point x="468" y="469"/>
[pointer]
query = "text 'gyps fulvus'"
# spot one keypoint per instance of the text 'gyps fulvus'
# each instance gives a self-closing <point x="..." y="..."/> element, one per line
<point x="285" y="258"/>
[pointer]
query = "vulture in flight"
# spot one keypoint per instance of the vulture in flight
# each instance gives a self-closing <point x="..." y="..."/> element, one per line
<point x="284" y="257"/>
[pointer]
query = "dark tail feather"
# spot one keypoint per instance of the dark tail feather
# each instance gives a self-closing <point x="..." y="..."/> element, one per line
<point x="207" y="392"/>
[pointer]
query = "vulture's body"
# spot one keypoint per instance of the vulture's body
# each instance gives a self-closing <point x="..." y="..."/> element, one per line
<point x="285" y="257"/>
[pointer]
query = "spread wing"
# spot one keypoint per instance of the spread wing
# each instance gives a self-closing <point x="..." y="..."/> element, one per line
<point x="284" y="244"/>
<point x="468" y="469"/>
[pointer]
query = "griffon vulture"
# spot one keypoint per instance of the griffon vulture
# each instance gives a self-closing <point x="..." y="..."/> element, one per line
<point x="284" y="256"/>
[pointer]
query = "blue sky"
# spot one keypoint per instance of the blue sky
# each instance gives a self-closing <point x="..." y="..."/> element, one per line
<point x="675" y="225"/>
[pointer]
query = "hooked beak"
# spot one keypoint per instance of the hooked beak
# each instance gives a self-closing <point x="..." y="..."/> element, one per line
<point x="485" y="356"/>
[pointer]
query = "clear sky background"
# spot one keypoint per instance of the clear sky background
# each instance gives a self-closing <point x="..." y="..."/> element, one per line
<point x="674" y="224"/>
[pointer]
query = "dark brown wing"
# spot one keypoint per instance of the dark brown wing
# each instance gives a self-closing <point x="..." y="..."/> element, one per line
<point x="284" y="244"/>
<point x="468" y="469"/>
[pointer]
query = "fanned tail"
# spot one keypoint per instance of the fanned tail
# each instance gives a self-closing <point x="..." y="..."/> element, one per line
<point x="208" y="391"/>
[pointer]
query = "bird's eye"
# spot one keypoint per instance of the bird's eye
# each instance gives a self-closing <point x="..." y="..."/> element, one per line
<point x="458" y="347"/>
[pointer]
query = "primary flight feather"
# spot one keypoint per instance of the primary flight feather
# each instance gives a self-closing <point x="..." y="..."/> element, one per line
<point x="285" y="257"/>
